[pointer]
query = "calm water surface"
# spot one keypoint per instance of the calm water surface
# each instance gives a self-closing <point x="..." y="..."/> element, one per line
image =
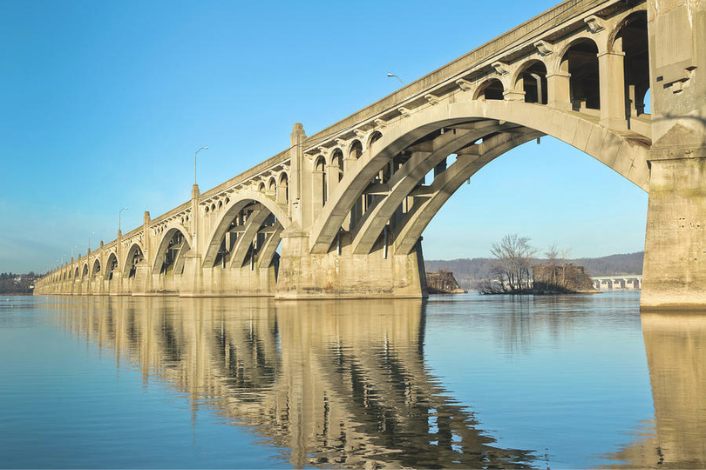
<point x="463" y="381"/>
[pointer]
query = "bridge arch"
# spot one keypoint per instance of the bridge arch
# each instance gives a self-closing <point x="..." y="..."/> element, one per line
<point x="626" y="18"/>
<point x="491" y="89"/>
<point x="283" y="188"/>
<point x="531" y="78"/>
<point x="272" y="186"/>
<point x="95" y="271"/>
<point x="374" y="137"/>
<point x="175" y="243"/>
<point x="579" y="60"/>
<point x="134" y="256"/>
<point x="625" y="154"/>
<point x="111" y="266"/>
<point x="630" y="38"/>
<point x="355" y="150"/>
<point x="337" y="167"/>
<point x="245" y="231"/>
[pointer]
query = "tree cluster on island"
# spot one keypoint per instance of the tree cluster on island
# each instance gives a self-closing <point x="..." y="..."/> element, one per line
<point x="17" y="284"/>
<point x="516" y="270"/>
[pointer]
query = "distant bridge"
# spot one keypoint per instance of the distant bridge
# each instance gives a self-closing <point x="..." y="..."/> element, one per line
<point x="349" y="204"/>
<point x="617" y="282"/>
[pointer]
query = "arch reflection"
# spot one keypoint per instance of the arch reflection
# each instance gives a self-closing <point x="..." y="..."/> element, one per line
<point x="334" y="383"/>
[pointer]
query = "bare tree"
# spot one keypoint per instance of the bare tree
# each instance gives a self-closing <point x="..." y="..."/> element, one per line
<point x="552" y="255"/>
<point x="512" y="268"/>
<point x="564" y="263"/>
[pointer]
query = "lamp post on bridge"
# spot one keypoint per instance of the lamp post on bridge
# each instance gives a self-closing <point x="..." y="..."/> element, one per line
<point x="89" y="240"/>
<point x="196" y="153"/>
<point x="120" y="213"/>
<point x="390" y="75"/>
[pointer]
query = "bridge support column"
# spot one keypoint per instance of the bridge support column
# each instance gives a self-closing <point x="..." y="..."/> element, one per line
<point x="674" y="273"/>
<point x="559" y="90"/>
<point x="191" y="284"/>
<point x="142" y="282"/>
<point x="330" y="275"/>
<point x="612" y="86"/>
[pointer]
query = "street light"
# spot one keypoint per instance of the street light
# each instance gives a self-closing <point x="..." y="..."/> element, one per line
<point x="390" y="75"/>
<point x="120" y="213"/>
<point x="89" y="241"/>
<point x="196" y="153"/>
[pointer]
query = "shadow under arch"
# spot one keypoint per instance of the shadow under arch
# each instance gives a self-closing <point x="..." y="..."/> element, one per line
<point x="625" y="153"/>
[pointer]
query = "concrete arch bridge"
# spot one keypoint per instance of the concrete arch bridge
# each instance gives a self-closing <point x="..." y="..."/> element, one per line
<point x="348" y="205"/>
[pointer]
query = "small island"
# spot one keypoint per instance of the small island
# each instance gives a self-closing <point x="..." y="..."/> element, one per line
<point x="517" y="271"/>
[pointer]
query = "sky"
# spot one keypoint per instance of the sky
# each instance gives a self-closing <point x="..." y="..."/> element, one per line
<point x="103" y="104"/>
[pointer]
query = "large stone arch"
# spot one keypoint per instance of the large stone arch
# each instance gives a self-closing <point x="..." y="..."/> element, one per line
<point x="164" y="244"/>
<point x="112" y="266"/>
<point x="95" y="270"/>
<point x="136" y="247"/>
<point x="625" y="153"/>
<point x="244" y="198"/>
<point x="449" y="182"/>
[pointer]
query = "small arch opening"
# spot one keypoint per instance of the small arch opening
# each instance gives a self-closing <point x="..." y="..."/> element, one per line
<point x="492" y="89"/>
<point x="533" y="81"/>
<point x="581" y="62"/>
<point x="633" y="41"/>
<point x="283" y="189"/>
<point x="272" y="187"/>
<point x="337" y="161"/>
<point x="320" y="179"/>
<point x="377" y="135"/>
<point x="356" y="150"/>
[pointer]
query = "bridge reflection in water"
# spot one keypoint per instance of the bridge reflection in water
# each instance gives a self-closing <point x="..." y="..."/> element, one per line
<point x="335" y="387"/>
<point x="676" y="354"/>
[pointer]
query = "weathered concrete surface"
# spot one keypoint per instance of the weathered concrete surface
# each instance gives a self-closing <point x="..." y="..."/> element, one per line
<point x="675" y="243"/>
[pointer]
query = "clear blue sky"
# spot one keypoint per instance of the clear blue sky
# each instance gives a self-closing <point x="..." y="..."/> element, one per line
<point x="104" y="103"/>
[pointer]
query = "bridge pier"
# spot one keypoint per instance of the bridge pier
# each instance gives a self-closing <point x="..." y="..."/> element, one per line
<point x="347" y="275"/>
<point x="674" y="273"/>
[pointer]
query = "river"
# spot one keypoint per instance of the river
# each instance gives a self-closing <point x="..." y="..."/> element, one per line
<point x="456" y="381"/>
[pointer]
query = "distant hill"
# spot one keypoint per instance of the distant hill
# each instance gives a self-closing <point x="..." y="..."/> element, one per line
<point x="630" y="263"/>
<point x="469" y="271"/>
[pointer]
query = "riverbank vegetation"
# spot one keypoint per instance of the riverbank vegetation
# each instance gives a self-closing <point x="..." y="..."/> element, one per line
<point x="17" y="284"/>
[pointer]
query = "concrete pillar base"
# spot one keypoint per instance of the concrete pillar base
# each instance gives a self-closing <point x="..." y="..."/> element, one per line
<point x="674" y="273"/>
<point x="347" y="275"/>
